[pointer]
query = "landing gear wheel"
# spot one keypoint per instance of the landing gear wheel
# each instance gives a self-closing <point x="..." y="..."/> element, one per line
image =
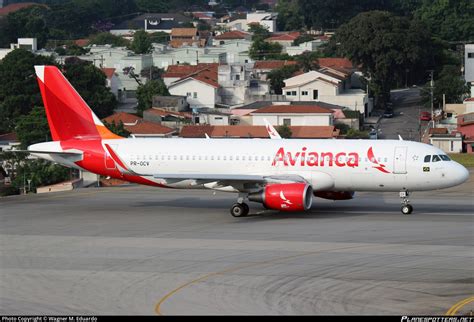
<point x="239" y="210"/>
<point x="407" y="209"/>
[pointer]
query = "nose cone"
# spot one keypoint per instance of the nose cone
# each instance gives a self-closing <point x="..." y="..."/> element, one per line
<point x="460" y="174"/>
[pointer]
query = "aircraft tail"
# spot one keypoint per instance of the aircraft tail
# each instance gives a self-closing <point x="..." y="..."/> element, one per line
<point x="69" y="116"/>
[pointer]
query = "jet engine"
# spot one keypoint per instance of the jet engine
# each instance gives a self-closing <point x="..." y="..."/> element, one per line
<point x="285" y="197"/>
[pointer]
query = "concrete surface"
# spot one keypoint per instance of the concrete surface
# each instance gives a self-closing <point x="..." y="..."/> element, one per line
<point x="139" y="250"/>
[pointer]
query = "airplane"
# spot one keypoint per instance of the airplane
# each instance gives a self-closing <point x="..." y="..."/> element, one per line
<point x="280" y="174"/>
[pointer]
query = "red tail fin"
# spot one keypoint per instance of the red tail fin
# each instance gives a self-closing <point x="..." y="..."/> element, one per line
<point x="69" y="116"/>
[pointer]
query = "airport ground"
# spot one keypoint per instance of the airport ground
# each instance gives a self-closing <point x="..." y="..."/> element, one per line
<point x="138" y="250"/>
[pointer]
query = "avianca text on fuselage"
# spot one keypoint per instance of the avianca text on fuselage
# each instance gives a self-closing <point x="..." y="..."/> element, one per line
<point x="306" y="158"/>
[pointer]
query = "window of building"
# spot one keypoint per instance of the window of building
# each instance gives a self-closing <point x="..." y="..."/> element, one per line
<point x="304" y="93"/>
<point x="293" y="93"/>
<point x="470" y="55"/>
<point x="195" y="95"/>
<point x="288" y="93"/>
<point x="315" y="94"/>
<point x="188" y="94"/>
<point x="237" y="77"/>
<point x="287" y="122"/>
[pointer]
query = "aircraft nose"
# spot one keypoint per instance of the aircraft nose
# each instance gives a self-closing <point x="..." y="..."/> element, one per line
<point x="461" y="174"/>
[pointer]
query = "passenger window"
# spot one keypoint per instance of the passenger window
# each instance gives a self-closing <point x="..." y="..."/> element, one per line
<point x="444" y="157"/>
<point x="436" y="158"/>
<point x="427" y="158"/>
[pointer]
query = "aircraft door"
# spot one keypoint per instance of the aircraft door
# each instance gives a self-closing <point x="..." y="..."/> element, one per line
<point x="400" y="160"/>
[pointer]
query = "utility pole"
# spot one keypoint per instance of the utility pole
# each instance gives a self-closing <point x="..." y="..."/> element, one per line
<point x="431" y="95"/>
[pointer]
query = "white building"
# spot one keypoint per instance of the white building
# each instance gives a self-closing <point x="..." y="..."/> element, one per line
<point x="329" y="86"/>
<point x="266" y="19"/>
<point x="200" y="89"/>
<point x="237" y="85"/>
<point x="290" y="115"/>
<point x="30" y="44"/>
<point x="312" y="45"/>
<point x="469" y="65"/>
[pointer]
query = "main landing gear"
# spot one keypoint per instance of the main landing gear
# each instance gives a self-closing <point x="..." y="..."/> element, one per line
<point x="406" y="207"/>
<point x="240" y="209"/>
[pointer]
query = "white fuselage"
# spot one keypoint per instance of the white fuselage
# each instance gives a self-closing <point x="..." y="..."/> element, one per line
<point x="328" y="165"/>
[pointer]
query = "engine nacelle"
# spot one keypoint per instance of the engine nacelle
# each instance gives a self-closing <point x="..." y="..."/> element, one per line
<point x="285" y="197"/>
<point x="334" y="195"/>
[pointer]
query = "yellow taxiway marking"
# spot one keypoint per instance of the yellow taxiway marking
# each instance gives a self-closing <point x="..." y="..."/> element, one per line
<point x="233" y="269"/>
<point x="458" y="305"/>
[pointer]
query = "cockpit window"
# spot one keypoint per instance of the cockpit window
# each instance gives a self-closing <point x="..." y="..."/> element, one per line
<point x="427" y="158"/>
<point x="444" y="157"/>
<point x="436" y="158"/>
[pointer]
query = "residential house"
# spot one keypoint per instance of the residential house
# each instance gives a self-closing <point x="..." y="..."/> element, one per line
<point x="8" y="141"/>
<point x="30" y="44"/>
<point x="284" y="39"/>
<point x="238" y="85"/>
<point x="302" y="115"/>
<point x="442" y="139"/>
<point x="466" y="128"/>
<point x="151" y="22"/>
<point x="257" y="132"/>
<point x="308" y="46"/>
<point x="212" y="116"/>
<point x="176" y="72"/>
<point x="112" y="81"/>
<point x="263" y="67"/>
<point x="200" y="88"/>
<point x="330" y="86"/>
<point x="170" y="103"/>
<point x="230" y="36"/>
<point x="171" y="119"/>
<point x="186" y="37"/>
<point x="188" y="55"/>
<point x="138" y="127"/>
<point x="469" y="66"/>
<point x="266" y="19"/>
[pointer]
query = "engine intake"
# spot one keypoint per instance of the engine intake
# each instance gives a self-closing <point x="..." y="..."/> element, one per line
<point x="285" y="197"/>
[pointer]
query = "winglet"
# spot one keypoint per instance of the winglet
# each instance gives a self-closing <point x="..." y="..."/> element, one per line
<point x="271" y="130"/>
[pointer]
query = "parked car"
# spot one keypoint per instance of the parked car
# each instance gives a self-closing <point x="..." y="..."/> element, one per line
<point x="425" y="116"/>
<point x="388" y="113"/>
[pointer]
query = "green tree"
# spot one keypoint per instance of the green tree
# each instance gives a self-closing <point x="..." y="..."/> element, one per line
<point x="106" y="38"/>
<point x="29" y="22"/>
<point x="386" y="46"/>
<point x="277" y="76"/>
<point x="90" y="82"/>
<point x="40" y="172"/>
<point x="152" y="72"/>
<point x="449" y="82"/>
<point x="263" y="50"/>
<point x="284" y="131"/>
<point x="159" y="37"/>
<point x="356" y="134"/>
<point x="302" y="39"/>
<point x="290" y="16"/>
<point x="141" y="43"/>
<point x="259" y="32"/>
<point x="449" y="20"/>
<point x="118" y="129"/>
<point x="146" y="92"/>
<point x="153" y="5"/>
<point x="308" y="60"/>
<point x="33" y="127"/>
<point x="19" y="90"/>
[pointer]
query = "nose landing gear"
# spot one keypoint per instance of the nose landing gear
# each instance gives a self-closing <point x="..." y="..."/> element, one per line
<point x="406" y="207"/>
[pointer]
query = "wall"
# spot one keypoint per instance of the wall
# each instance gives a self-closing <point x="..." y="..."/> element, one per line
<point x="445" y="144"/>
<point x="206" y="94"/>
<point x="300" y="119"/>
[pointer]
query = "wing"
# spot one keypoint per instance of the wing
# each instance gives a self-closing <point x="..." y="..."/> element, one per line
<point x="239" y="182"/>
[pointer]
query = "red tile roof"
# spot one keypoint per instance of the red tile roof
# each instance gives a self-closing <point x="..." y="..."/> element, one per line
<point x="207" y="75"/>
<point x="81" y="42"/>
<point x="249" y="131"/>
<point x="470" y="99"/>
<point x="284" y="37"/>
<point x="146" y="127"/>
<point x="10" y="137"/>
<point x="273" y="64"/>
<point x="17" y="6"/>
<point x="440" y="130"/>
<point x="163" y="112"/>
<point x="235" y="34"/>
<point x="178" y="71"/>
<point x="109" y="72"/>
<point x="184" y="32"/>
<point x="292" y="109"/>
<point x="335" y="63"/>
<point x="126" y="118"/>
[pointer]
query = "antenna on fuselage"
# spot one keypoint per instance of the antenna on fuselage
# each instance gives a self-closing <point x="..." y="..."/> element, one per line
<point x="400" y="137"/>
